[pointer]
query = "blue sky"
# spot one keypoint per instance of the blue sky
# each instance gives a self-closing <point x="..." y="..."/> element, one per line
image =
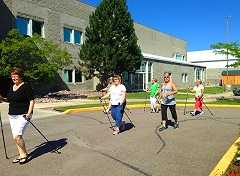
<point x="199" y="22"/>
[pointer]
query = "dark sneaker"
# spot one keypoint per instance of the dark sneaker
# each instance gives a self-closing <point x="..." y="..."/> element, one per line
<point x="162" y="127"/>
<point x="176" y="125"/>
<point x="201" y="113"/>
<point x="193" y="113"/>
<point x="197" y="113"/>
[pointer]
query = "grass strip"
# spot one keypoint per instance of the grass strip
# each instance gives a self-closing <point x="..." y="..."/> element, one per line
<point x="220" y="102"/>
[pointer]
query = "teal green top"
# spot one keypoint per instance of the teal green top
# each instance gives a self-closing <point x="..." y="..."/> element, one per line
<point x="154" y="89"/>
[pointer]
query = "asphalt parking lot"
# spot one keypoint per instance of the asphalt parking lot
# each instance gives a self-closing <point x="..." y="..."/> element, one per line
<point x="88" y="147"/>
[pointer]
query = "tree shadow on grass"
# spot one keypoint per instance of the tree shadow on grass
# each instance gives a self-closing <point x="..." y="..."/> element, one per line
<point x="47" y="147"/>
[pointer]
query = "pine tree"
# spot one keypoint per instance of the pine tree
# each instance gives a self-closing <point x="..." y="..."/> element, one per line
<point x="111" y="43"/>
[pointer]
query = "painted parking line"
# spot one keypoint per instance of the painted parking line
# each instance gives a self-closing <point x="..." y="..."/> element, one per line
<point x="136" y="106"/>
<point x="226" y="160"/>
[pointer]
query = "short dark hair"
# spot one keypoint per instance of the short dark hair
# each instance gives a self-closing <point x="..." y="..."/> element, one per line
<point x="17" y="71"/>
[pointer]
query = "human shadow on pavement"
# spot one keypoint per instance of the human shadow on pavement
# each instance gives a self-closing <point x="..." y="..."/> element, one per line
<point x="47" y="147"/>
<point x="128" y="126"/>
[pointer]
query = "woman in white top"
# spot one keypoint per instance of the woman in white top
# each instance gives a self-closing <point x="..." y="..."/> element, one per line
<point x="199" y="90"/>
<point x="117" y="93"/>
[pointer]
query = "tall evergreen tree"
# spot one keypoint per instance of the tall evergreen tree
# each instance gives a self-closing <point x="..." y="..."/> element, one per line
<point x="111" y="43"/>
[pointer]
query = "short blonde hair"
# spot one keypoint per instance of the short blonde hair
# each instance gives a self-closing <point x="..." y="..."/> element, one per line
<point x="117" y="77"/>
<point x="17" y="71"/>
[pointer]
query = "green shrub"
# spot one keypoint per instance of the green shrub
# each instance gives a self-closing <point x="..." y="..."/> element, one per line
<point x="236" y="91"/>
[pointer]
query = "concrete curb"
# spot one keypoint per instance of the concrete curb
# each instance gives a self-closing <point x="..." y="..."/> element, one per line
<point x="226" y="160"/>
<point x="135" y="106"/>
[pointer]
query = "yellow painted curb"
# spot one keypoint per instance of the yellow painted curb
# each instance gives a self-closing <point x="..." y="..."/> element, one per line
<point x="135" y="106"/>
<point x="226" y="160"/>
<point x="92" y="109"/>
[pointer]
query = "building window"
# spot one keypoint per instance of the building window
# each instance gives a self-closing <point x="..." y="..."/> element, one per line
<point x="72" y="36"/>
<point x="73" y="76"/>
<point x="142" y="67"/>
<point x="77" y="37"/>
<point x="79" y="76"/>
<point x="180" y="57"/>
<point x="150" y="72"/>
<point x="67" y="35"/>
<point x="184" y="78"/>
<point x="22" y="25"/>
<point x="37" y="27"/>
<point x="26" y="26"/>
<point x="199" y="73"/>
<point x="67" y="76"/>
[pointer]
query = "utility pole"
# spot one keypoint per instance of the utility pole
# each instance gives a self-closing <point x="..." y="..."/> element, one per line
<point x="227" y="40"/>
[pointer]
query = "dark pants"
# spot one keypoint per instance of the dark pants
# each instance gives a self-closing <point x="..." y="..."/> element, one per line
<point x="164" y="112"/>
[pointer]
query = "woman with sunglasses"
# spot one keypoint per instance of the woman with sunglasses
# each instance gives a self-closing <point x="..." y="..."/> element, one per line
<point x="168" y="92"/>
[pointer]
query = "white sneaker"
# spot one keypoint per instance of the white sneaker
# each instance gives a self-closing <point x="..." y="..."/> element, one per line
<point x="116" y="131"/>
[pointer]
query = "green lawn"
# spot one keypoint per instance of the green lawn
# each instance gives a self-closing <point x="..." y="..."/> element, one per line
<point x="181" y="93"/>
<point x="208" y="90"/>
<point x="144" y="95"/>
<point x="227" y="102"/>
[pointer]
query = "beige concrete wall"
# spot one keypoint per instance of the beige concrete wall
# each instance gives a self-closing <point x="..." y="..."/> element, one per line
<point x="154" y="42"/>
<point x="176" y="70"/>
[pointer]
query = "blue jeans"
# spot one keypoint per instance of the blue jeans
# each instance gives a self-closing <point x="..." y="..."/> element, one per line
<point x="116" y="112"/>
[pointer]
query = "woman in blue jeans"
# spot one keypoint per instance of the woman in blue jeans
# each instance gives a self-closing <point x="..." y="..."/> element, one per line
<point x="117" y="94"/>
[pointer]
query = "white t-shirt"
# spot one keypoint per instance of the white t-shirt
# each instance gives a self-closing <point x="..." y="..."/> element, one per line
<point x="116" y="94"/>
<point x="198" y="90"/>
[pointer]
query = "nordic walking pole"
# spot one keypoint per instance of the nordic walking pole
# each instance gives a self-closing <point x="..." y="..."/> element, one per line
<point x="3" y="138"/>
<point x="129" y="110"/>
<point x="145" y="105"/>
<point x="40" y="132"/>
<point x="129" y="119"/>
<point x="184" y="113"/>
<point x="105" y="111"/>
<point x="208" y="109"/>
